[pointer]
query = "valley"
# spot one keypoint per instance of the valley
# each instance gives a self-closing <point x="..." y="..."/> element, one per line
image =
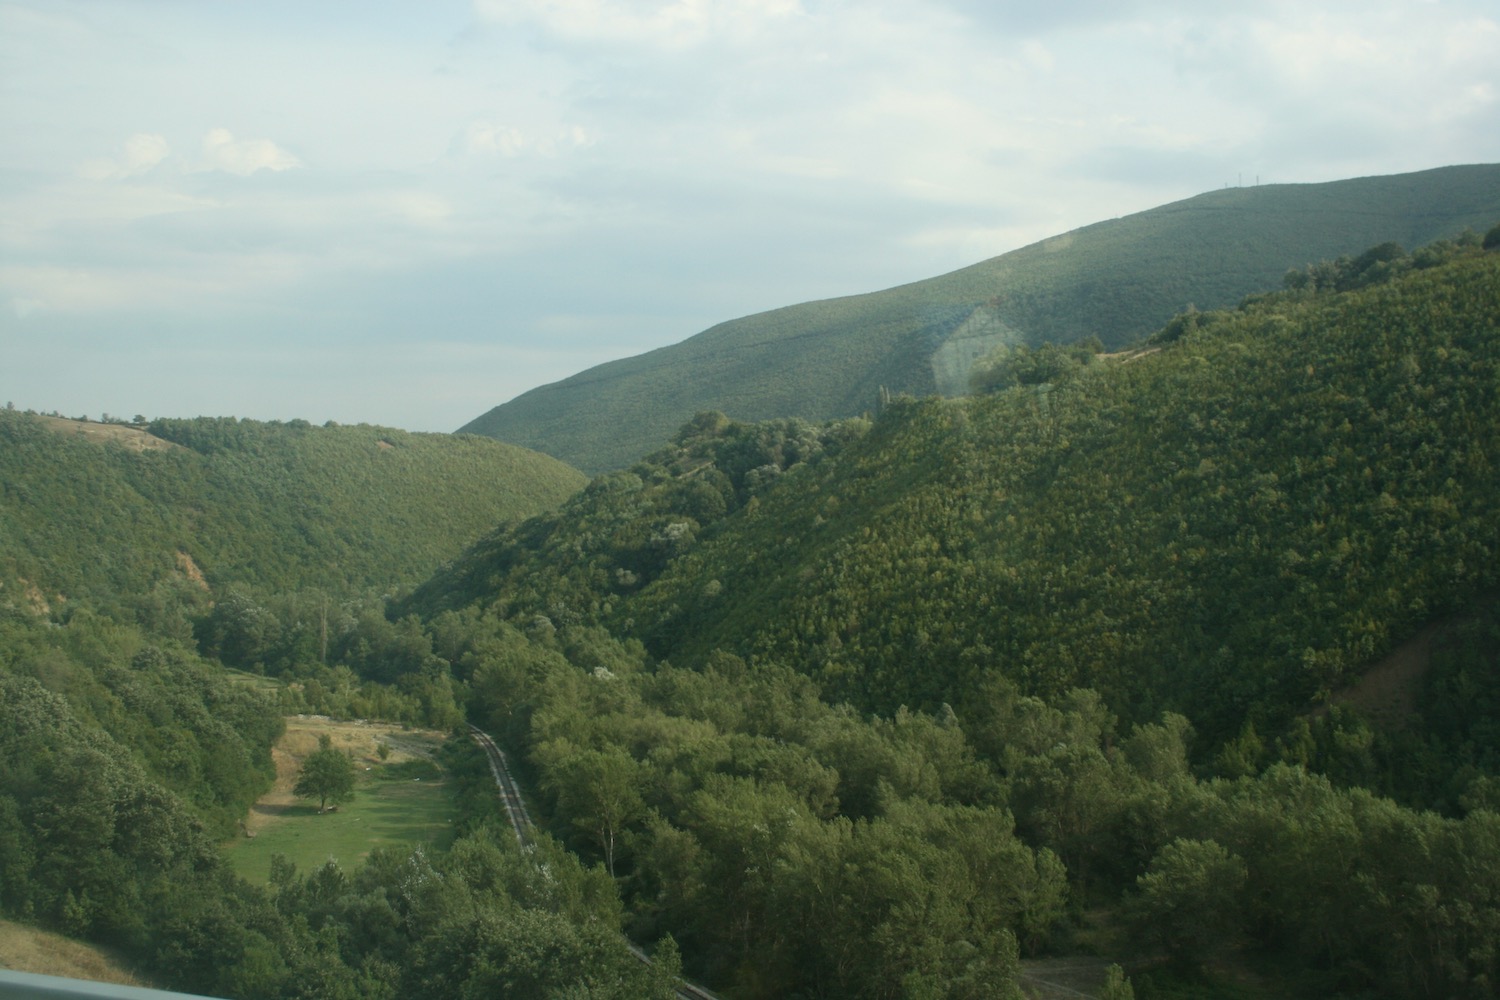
<point x="1151" y="672"/>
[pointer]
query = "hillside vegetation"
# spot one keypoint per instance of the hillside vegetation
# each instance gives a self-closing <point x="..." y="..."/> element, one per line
<point x="1241" y="519"/>
<point x="1229" y="526"/>
<point x="271" y="505"/>
<point x="1117" y="280"/>
<point x="872" y="708"/>
<point x="945" y="684"/>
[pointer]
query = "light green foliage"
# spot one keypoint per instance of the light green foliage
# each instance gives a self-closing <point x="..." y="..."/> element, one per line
<point x="272" y="505"/>
<point x="1116" y="985"/>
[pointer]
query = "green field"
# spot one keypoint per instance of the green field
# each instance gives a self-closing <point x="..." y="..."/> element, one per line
<point x="390" y="807"/>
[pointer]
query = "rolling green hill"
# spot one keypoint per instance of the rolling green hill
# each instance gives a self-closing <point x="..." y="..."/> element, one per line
<point x="1229" y="524"/>
<point x="109" y="515"/>
<point x="1118" y="280"/>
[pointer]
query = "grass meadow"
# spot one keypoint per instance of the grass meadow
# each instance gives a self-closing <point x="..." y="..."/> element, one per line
<point x="403" y="800"/>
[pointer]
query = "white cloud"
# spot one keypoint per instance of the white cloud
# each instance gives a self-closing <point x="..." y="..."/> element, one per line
<point x="488" y="138"/>
<point x="672" y="25"/>
<point x="140" y="153"/>
<point x="243" y="157"/>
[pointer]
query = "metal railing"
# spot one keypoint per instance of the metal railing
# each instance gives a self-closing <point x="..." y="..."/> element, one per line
<point x="33" y="986"/>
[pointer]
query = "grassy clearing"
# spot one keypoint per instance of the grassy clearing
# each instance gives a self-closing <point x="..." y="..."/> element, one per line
<point x="402" y="800"/>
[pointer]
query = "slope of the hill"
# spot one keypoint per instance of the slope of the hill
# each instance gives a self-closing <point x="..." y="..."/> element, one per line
<point x="238" y="501"/>
<point x="1229" y="526"/>
<point x="1238" y="520"/>
<point x="1117" y="280"/>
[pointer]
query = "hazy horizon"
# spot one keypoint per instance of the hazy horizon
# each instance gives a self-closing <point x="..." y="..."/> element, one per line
<point x="406" y="214"/>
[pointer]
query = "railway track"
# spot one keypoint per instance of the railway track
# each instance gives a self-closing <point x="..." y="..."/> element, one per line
<point x="520" y="821"/>
<point x="510" y="792"/>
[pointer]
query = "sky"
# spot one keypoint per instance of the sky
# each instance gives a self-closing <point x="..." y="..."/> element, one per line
<point x="406" y="213"/>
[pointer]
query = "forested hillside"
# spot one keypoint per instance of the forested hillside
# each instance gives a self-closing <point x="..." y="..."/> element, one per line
<point x="876" y="708"/>
<point x="1052" y="669"/>
<point x="1229" y="523"/>
<point x="1117" y="280"/>
<point x="267" y="505"/>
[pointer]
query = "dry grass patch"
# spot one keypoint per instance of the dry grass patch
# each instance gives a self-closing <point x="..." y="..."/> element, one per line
<point x="122" y="434"/>
<point x="26" y="949"/>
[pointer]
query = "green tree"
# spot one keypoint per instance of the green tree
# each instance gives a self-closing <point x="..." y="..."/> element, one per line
<point x="1189" y="899"/>
<point x="327" y="775"/>
<point x="1116" y="985"/>
<point x="598" y="790"/>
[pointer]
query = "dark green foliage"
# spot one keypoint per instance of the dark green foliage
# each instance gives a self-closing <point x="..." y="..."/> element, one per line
<point x="738" y="810"/>
<point x="942" y="687"/>
<point x="757" y="812"/>
<point x="87" y="836"/>
<point x="1231" y="525"/>
<point x="619" y="533"/>
<point x="1189" y="899"/>
<point x="155" y="704"/>
<point x="1118" y="280"/>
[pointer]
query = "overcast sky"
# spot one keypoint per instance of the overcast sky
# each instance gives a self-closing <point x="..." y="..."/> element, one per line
<point x="407" y="212"/>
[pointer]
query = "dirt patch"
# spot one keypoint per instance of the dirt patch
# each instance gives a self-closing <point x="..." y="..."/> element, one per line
<point x="361" y="739"/>
<point x="1130" y="354"/>
<point x="190" y="570"/>
<point x="1062" y="978"/>
<point x="26" y="949"/>
<point x="37" y="600"/>
<point x="1386" y="693"/>
<point x="124" y="435"/>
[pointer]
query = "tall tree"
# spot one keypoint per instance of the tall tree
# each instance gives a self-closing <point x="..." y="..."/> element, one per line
<point x="327" y="775"/>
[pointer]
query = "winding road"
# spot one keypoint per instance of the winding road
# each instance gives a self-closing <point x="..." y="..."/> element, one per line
<point x="520" y="821"/>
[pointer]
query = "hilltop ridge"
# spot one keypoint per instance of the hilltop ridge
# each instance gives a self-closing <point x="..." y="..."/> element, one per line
<point x="1118" y="280"/>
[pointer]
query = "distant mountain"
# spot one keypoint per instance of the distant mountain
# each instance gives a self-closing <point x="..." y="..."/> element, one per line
<point x="1117" y="280"/>
<point x="109" y="513"/>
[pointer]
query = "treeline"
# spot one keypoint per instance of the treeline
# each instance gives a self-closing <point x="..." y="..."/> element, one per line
<point x="121" y="756"/>
<point x="785" y="844"/>
<point x="269" y="505"/>
<point x="622" y="530"/>
<point x="874" y="708"/>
